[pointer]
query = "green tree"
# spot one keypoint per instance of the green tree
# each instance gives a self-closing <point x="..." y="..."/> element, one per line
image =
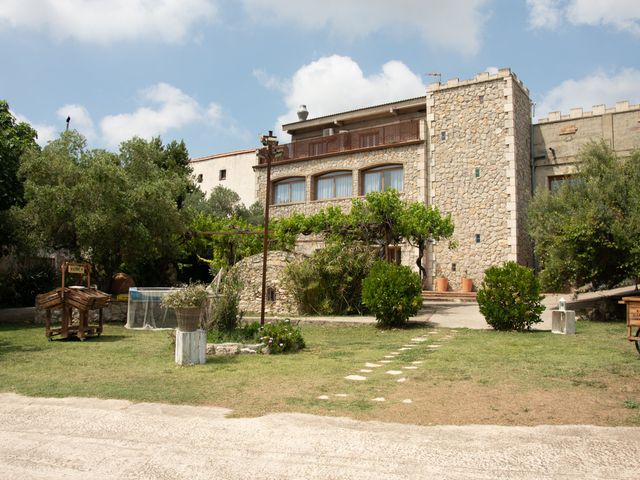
<point x="588" y="231"/>
<point x="15" y="139"/>
<point x="422" y="224"/>
<point x="117" y="211"/>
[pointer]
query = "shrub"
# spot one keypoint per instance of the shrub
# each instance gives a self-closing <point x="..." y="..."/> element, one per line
<point x="192" y="295"/>
<point x="225" y="313"/>
<point x="392" y="292"/>
<point x="281" y="336"/>
<point x="330" y="281"/>
<point x="509" y="297"/>
<point x="20" y="285"/>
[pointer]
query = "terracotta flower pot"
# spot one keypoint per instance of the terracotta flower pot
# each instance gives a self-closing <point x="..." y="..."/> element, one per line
<point x="442" y="284"/>
<point x="466" y="285"/>
<point x="188" y="319"/>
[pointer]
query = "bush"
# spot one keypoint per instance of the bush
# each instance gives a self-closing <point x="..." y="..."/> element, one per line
<point x="225" y="313"/>
<point x="19" y="286"/>
<point x="281" y="337"/>
<point x="330" y="281"/>
<point x="509" y="297"/>
<point x="392" y="292"/>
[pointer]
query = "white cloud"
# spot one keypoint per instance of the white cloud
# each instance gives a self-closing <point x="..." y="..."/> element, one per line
<point x="46" y="133"/>
<point x="453" y="24"/>
<point x="492" y="70"/>
<point x="105" y="21"/>
<point x="80" y="120"/>
<point x="598" y="88"/>
<point x="623" y="15"/>
<point x="170" y="109"/>
<point x="544" y="13"/>
<point x="335" y="84"/>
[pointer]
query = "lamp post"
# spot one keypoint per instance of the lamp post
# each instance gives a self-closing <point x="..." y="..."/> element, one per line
<point x="266" y="153"/>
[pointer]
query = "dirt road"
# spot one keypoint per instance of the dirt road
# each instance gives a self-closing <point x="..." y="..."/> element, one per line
<point x="75" y="438"/>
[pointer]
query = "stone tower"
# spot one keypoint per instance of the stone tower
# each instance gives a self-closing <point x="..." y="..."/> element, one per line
<point x="479" y="171"/>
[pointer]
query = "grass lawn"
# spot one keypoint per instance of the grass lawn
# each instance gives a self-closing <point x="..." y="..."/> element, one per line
<point x="482" y="377"/>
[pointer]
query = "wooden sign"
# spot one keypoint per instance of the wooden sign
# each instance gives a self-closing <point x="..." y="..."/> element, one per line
<point x="76" y="269"/>
<point x="568" y="130"/>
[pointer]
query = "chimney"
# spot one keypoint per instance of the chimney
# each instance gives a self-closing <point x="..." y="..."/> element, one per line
<point x="303" y="113"/>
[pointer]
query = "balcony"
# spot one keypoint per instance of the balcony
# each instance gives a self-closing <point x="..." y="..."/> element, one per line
<point x="354" y="140"/>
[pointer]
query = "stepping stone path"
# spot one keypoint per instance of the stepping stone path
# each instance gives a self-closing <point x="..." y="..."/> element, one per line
<point x="391" y="357"/>
<point x="323" y="397"/>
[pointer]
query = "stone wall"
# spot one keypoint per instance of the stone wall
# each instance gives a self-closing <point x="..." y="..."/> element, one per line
<point x="411" y="157"/>
<point x="250" y="272"/>
<point x="559" y="138"/>
<point x="522" y="190"/>
<point x="471" y="144"/>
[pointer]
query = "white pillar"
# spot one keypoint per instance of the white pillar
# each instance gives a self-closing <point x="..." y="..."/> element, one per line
<point x="191" y="347"/>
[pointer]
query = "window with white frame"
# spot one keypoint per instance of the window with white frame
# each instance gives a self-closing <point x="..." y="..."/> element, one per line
<point x="383" y="178"/>
<point x="333" y="185"/>
<point x="289" y="190"/>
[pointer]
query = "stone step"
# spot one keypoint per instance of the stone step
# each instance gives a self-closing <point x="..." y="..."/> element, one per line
<point x="431" y="296"/>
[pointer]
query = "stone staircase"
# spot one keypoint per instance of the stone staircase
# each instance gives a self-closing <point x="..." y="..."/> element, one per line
<point x="449" y="296"/>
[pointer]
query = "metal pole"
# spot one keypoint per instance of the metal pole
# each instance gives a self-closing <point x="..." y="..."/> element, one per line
<point x="268" y="142"/>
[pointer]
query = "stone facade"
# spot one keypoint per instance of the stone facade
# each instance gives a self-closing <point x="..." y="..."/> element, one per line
<point x="250" y="274"/>
<point x="559" y="138"/>
<point x="477" y="153"/>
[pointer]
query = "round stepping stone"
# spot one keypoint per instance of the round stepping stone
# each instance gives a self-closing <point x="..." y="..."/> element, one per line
<point x="341" y="395"/>
<point x="401" y="380"/>
<point x="432" y="333"/>
<point x="357" y="378"/>
<point x="410" y="368"/>
<point x="385" y="361"/>
<point x="409" y="345"/>
<point x="323" y="397"/>
<point x="372" y="365"/>
<point x="394" y="353"/>
<point x="394" y="372"/>
<point x="365" y="370"/>
<point x="419" y="340"/>
<point x="417" y="362"/>
<point x="378" y="399"/>
<point x="404" y="349"/>
<point x="434" y="346"/>
<point x="389" y="356"/>
<point x="407" y="401"/>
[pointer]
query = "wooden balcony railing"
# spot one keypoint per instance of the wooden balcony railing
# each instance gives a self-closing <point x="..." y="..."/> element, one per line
<point x="385" y="135"/>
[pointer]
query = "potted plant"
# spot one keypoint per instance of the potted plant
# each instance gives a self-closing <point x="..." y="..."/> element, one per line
<point x="442" y="283"/>
<point x="467" y="283"/>
<point x="187" y="302"/>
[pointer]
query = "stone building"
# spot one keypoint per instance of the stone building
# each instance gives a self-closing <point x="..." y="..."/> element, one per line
<point x="557" y="139"/>
<point x="468" y="147"/>
<point x="233" y="170"/>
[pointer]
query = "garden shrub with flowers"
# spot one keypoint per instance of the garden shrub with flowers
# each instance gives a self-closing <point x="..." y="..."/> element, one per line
<point x="281" y="336"/>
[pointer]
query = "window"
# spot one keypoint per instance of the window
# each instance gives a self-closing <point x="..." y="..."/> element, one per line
<point x="443" y="135"/>
<point x="477" y="172"/>
<point x="477" y="238"/>
<point x="556" y="181"/>
<point x="271" y="294"/>
<point x="289" y="190"/>
<point x="199" y="178"/>
<point x="369" y="140"/>
<point x="383" y="178"/>
<point x="222" y="175"/>
<point x="333" y="185"/>
<point x="481" y="98"/>
<point x="394" y="254"/>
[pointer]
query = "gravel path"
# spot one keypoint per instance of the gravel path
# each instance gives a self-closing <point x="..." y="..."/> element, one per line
<point x="74" y="438"/>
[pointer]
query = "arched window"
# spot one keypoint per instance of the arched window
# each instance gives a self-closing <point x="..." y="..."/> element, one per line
<point x="333" y="185"/>
<point x="289" y="190"/>
<point x="384" y="178"/>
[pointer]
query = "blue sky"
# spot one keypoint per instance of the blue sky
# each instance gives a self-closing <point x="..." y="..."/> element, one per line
<point x="217" y="73"/>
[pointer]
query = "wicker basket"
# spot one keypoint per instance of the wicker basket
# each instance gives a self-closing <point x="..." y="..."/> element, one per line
<point x="188" y="319"/>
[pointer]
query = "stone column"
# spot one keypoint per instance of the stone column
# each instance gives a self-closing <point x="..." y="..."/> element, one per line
<point x="191" y="347"/>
